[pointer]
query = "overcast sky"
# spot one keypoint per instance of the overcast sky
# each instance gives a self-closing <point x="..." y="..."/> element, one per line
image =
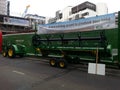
<point x="49" y="7"/>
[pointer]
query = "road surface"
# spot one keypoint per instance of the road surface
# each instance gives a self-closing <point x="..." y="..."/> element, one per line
<point x="33" y="74"/>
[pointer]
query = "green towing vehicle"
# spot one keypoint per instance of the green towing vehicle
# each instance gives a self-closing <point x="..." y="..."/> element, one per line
<point x="73" y="41"/>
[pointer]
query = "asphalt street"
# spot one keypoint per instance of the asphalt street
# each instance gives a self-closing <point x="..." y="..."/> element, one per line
<point x="34" y="74"/>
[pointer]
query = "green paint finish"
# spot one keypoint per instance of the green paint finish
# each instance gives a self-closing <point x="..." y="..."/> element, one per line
<point x="21" y="41"/>
<point x="76" y="44"/>
<point x="118" y="37"/>
<point x="82" y="48"/>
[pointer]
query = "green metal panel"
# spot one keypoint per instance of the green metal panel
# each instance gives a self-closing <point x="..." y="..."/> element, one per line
<point x="20" y="41"/>
<point x="119" y="37"/>
<point x="19" y="49"/>
<point x="71" y="45"/>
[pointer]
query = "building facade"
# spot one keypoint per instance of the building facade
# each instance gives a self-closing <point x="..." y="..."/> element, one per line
<point x="12" y="24"/>
<point x="83" y="10"/>
<point x="3" y="7"/>
<point x="35" y="19"/>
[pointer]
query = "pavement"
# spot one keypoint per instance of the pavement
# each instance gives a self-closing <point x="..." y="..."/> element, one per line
<point x="34" y="74"/>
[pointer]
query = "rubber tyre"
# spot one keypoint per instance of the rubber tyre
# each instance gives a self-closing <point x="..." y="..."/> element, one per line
<point x="53" y="63"/>
<point x="62" y="64"/>
<point x="11" y="53"/>
<point x="4" y="53"/>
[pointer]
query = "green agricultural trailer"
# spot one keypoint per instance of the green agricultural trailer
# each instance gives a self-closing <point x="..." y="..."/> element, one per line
<point x="76" y="41"/>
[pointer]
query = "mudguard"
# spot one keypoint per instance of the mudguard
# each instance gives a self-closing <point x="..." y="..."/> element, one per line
<point x="15" y="48"/>
<point x="19" y="48"/>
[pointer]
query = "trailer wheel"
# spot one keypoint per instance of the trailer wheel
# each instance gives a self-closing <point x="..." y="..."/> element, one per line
<point x="4" y="53"/>
<point x="11" y="53"/>
<point x="62" y="64"/>
<point x="53" y="62"/>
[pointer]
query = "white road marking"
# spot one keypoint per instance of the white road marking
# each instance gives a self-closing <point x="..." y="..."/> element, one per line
<point x="21" y="73"/>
